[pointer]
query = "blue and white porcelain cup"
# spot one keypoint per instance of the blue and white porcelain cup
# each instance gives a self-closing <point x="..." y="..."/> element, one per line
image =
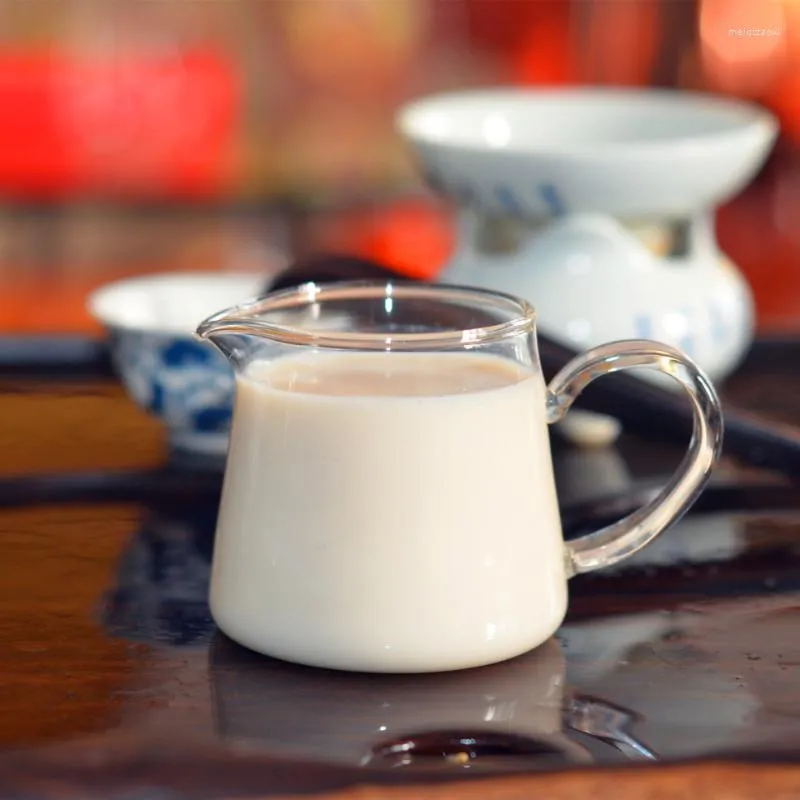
<point x="185" y="382"/>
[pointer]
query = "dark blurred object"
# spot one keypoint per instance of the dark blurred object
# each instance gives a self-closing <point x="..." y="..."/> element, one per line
<point x="332" y="267"/>
<point x="51" y="356"/>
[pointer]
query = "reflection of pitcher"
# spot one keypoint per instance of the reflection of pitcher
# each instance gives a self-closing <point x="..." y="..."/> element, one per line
<point x="513" y="713"/>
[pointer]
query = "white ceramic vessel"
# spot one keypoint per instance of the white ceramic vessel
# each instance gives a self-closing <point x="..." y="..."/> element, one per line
<point x="597" y="205"/>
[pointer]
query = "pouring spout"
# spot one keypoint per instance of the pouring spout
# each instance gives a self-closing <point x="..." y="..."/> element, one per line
<point x="214" y="330"/>
<point x="231" y="334"/>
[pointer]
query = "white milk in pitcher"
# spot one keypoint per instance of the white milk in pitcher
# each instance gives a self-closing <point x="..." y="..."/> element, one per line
<point x="389" y="512"/>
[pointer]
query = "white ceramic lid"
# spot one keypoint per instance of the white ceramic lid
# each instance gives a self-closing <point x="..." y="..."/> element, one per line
<point x="630" y="152"/>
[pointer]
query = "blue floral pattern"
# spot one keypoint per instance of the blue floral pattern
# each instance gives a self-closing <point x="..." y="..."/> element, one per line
<point x="510" y="200"/>
<point x="187" y="383"/>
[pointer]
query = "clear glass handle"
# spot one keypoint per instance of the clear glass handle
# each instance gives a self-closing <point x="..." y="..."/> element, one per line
<point x="622" y="539"/>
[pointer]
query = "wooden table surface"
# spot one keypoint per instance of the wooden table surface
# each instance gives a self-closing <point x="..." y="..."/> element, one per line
<point x="674" y="676"/>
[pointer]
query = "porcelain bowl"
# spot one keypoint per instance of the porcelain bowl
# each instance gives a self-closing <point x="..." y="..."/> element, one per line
<point x="635" y="153"/>
<point x="185" y="382"/>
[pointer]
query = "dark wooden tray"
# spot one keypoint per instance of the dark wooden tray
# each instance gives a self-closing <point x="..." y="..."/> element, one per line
<point x="675" y="675"/>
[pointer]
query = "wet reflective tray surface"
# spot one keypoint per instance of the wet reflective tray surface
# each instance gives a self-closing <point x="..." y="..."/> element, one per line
<point x="688" y="650"/>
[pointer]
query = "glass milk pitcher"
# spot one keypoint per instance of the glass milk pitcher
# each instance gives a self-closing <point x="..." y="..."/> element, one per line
<point x="389" y="502"/>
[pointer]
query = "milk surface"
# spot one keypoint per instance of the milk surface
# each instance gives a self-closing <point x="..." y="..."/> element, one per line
<point x="390" y="512"/>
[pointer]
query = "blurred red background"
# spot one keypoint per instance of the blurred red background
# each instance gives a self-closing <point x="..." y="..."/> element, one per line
<point x="138" y="137"/>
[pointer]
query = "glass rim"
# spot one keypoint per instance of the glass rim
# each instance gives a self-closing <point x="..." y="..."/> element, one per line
<point x="243" y="318"/>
